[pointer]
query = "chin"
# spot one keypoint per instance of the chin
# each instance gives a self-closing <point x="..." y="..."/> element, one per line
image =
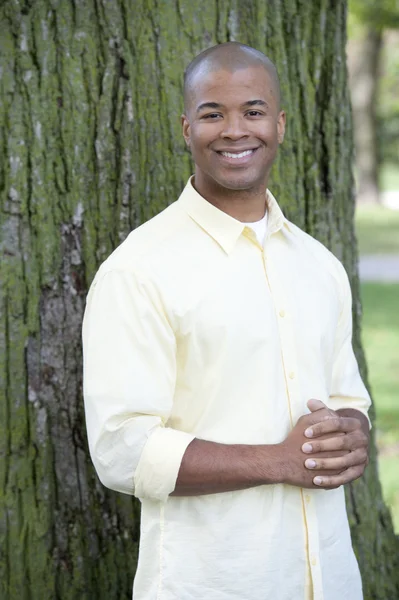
<point x="237" y="183"/>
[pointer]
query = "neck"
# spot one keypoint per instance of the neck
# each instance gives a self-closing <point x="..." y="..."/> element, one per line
<point x="246" y="206"/>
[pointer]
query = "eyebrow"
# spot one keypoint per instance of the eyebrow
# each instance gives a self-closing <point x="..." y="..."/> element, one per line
<point x="216" y="106"/>
<point x="256" y="103"/>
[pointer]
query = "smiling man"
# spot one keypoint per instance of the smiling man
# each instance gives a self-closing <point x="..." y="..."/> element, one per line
<point x="220" y="382"/>
<point x="233" y="126"/>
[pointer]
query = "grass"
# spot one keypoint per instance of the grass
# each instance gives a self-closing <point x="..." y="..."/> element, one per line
<point x="389" y="177"/>
<point x="377" y="229"/>
<point x="381" y="342"/>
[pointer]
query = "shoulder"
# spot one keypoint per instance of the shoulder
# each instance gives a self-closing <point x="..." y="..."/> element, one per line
<point x="149" y="243"/>
<point x="326" y="259"/>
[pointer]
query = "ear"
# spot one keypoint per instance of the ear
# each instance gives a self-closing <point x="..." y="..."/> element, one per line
<point x="186" y="129"/>
<point x="281" y="120"/>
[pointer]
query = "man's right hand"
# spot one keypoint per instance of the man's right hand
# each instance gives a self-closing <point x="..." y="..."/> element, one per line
<point x="210" y="467"/>
<point x="293" y="457"/>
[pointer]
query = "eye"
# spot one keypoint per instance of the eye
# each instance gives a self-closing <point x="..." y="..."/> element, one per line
<point x="254" y="113"/>
<point x="211" y="116"/>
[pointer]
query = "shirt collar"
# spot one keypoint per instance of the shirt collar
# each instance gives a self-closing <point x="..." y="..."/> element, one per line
<point x="223" y="228"/>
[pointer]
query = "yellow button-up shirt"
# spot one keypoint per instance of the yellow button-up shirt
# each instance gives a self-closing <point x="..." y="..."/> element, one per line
<point x="192" y="329"/>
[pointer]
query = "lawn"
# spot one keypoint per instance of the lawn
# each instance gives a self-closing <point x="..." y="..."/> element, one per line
<point x="378" y="233"/>
<point x="389" y="177"/>
<point x="377" y="230"/>
<point x="380" y="334"/>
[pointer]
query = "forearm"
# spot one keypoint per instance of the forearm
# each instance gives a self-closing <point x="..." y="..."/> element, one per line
<point x="209" y="467"/>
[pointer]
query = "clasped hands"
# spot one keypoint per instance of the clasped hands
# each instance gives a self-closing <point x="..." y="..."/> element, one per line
<point x="327" y="448"/>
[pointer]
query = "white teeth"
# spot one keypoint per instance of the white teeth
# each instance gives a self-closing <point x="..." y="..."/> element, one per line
<point x="240" y="155"/>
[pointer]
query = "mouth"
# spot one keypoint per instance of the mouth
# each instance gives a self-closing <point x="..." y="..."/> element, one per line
<point x="237" y="157"/>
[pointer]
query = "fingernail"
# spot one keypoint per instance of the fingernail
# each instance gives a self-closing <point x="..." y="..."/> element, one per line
<point x="318" y="480"/>
<point x="309" y="432"/>
<point x="307" y="447"/>
<point x="310" y="463"/>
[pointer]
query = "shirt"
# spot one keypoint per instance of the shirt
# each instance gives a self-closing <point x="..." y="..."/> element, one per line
<point x="193" y="329"/>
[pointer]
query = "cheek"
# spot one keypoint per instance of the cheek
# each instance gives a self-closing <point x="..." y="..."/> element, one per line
<point x="204" y="134"/>
<point x="269" y="133"/>
<point x="199" y="142"/>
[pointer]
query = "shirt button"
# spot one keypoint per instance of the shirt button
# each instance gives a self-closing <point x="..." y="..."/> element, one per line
<point x="314" y="561"/>
<point x="282" y="313"/>
<point x="291" y="375"/>
<point x="307" y="498"/>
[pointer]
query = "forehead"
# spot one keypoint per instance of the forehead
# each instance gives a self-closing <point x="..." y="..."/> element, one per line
<point x="242" y="84"/>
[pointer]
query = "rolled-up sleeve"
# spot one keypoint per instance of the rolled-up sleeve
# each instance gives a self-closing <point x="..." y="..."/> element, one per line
<point x="129" y="351"/>
<point x="347" y="388"/>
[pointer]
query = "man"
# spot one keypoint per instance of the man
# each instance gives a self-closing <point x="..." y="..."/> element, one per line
<point x="221" y="386"/>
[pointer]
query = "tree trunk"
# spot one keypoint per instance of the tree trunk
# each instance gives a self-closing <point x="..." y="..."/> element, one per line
<point x="91" y="94"/>
<point x="364" y="57"/>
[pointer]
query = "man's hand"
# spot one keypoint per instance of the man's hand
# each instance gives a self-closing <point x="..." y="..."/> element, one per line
<point x="294" y="471"/>
<point x="209" y="468"/>
<point x="344" y="430"/>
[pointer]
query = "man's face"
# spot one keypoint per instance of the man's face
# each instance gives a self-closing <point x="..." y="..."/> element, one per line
<point x="233" y="127"/>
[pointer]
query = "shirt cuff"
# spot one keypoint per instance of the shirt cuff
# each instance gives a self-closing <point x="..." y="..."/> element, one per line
<point x="159" y="464"/>
<point x="360" y="404"/>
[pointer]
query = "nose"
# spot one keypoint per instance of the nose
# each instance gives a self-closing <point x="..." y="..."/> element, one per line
<point x="234" y="127"/>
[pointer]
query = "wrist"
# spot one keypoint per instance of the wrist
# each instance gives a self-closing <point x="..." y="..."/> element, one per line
<point x="275" y="463"/>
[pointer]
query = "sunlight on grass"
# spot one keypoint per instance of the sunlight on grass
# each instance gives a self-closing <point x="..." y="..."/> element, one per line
<point x="377" y="229"/>
<point x="380" y="335"/>
<point x="389" y="177"/>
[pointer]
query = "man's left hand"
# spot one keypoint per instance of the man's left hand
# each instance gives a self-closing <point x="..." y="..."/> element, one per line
<point x="353" y="437"/>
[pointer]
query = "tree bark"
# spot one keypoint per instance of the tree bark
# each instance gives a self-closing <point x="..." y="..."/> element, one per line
<point x="91" y="94"/>
<point x="364" y="58"/>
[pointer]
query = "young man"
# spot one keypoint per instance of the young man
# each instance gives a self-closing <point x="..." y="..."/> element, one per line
<point x="221" y="386"/>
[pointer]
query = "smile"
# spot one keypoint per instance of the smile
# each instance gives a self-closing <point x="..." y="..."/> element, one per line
<point x="237" y="154"/>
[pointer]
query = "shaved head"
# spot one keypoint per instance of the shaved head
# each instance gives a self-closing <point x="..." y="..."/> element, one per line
<point x="230" y="56"/>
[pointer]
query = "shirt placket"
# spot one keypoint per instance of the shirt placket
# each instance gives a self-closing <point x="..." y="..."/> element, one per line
<point x="295" y="408"/>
